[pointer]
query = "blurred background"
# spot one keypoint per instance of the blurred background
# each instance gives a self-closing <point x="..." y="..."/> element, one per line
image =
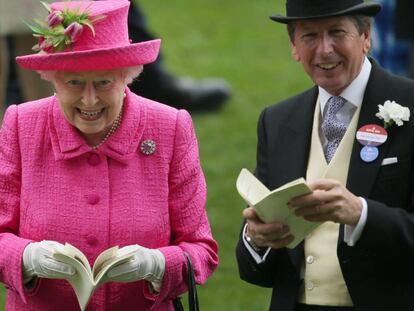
<point x="234" y="40"/>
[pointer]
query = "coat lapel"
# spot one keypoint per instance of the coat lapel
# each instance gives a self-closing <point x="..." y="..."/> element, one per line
<point x="123" y="144"/>
<point x="362" y="175"/>
<point x="292" y="153"/>
<point x="292" y="142"/>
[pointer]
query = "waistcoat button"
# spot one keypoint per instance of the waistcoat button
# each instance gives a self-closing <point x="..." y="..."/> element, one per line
<point x="309" y="285"/>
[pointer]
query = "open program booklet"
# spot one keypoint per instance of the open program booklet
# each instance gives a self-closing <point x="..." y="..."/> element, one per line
<point x="273" y="205"/>
<point x="86" y="279"/>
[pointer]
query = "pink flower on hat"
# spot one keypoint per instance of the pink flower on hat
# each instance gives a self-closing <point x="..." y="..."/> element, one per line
<point x="103" y="44"/>
<point x="55" y="18"/>
<point x="62" y="28"/>
<point x="73" y="31"/>
<point x="45" y="45"/>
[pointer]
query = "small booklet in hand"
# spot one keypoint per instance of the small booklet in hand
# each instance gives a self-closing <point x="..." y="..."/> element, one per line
<point x="86" y="279"/>
<point x="273" y="205"/>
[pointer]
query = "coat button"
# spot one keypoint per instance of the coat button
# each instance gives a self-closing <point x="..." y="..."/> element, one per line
<point x="310" y="259"/>
<point x="94" y="159"/>
<point x="92" y="198"/>
<point x="91" y="240"/>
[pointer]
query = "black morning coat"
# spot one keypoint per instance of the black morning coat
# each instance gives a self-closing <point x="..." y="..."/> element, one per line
<point x="379" y="269"/>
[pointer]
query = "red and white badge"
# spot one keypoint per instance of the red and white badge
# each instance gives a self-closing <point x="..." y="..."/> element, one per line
<point x="372" y="135"/>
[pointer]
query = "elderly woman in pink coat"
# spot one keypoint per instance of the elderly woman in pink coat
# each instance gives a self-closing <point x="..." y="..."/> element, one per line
<point x="97" y="166"/>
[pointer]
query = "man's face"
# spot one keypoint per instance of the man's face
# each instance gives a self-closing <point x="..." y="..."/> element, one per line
<point x="331" y="51"/>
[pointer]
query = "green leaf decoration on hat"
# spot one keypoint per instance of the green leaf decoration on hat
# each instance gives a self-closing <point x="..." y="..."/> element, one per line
<point x="62" y="28"/>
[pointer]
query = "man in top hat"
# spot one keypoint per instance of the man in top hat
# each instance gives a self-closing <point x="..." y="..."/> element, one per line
<point x="352" y="139"/>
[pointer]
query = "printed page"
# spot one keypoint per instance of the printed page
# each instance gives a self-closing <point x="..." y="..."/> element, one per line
<point x="250" y="188"/>
<point x="301" y="228"/>
<point x="107" y="260"/>
<point x="273" y="205"/>
<point x="102" y="260"/>
<point x="82" y="282"/>
<point x="86" y="281"/>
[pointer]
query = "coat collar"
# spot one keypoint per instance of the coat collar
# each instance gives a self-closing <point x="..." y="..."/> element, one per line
<point x="67" y="143"/>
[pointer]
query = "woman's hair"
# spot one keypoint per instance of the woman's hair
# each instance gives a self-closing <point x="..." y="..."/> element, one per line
<point x="48" y="75"/>
<point x="131" y="73"/>
<point x="128" y="73"/>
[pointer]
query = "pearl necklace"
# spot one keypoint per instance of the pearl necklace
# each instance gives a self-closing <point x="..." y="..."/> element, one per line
<point x="112" y="130"/>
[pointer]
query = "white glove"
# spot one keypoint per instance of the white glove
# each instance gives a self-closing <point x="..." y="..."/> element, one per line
<point x="38" y="261"/>
<point x="145" y="264"/>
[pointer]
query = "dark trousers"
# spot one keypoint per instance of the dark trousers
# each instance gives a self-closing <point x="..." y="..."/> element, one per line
<point x="303" y="307"/>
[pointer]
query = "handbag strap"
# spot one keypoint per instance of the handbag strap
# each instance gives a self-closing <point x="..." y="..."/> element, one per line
<point x="192" y="289"/>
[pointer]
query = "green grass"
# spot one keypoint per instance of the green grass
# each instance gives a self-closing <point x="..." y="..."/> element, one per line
<point x="235" y="40"/>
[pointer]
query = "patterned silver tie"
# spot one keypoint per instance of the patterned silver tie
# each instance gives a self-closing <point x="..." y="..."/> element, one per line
<point x="333" y="129"/>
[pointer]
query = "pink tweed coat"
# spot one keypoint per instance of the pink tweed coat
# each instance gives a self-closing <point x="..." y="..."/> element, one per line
<point x="55" y="187"/>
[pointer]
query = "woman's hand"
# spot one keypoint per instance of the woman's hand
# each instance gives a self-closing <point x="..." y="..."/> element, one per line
<point x="38" y="261"/>
<point x="145" y="264"/>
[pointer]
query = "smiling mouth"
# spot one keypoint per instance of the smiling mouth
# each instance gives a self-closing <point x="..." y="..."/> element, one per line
<point x="328" y="66"/>
<point x="90" y="115"/>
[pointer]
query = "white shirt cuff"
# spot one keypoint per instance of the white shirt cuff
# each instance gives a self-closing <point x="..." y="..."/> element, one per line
<point x="259" y="259"/>
<point x="351" y="233"/>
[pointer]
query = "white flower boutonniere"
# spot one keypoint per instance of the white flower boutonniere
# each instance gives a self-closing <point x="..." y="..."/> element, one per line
<point x="391" y="113"/>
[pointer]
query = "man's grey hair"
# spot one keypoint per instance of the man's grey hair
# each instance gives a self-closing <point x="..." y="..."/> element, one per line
<point x="362" y="22"/>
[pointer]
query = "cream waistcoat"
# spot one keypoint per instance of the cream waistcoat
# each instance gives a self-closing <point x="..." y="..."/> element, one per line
<point x="323" y="280"/>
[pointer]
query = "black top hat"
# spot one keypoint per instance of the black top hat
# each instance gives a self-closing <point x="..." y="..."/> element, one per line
<point x="309" y="9"/>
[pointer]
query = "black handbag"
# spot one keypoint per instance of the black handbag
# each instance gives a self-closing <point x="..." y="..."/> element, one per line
<point x="192" y="291"/>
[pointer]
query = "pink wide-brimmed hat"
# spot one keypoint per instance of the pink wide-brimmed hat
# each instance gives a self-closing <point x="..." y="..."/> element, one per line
<point x="88" y="35"/>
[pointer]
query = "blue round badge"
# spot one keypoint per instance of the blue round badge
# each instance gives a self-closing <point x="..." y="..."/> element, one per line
<point x="369" y="153"/>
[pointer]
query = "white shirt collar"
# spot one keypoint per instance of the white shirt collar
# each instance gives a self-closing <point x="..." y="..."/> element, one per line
<point x="354" y="93"/>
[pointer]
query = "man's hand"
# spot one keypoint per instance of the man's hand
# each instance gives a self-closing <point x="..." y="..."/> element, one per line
<point x="329" y="201"/>
<point x="274" y="235"/>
